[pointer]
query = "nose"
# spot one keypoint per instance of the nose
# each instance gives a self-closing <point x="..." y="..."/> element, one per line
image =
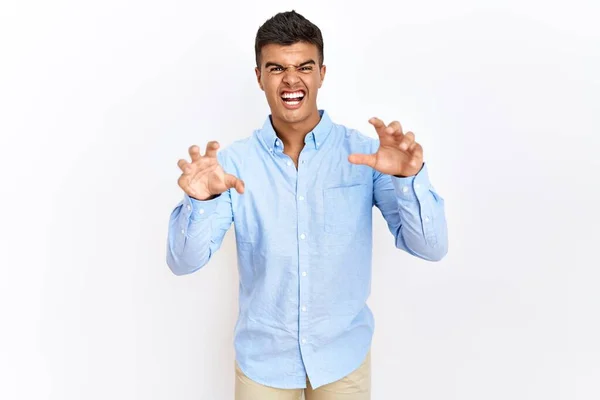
<point x="290" y="76"/>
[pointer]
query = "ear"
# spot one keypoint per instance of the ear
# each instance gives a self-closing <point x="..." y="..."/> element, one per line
<point x="322" y="71"/>
<point x="257" y="71"/>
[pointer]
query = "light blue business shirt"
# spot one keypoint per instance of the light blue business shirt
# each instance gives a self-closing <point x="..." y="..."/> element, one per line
<point x="304" y="245"/>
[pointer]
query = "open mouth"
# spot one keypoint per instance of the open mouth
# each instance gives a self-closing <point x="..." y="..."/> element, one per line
<point x="292" y="99"/>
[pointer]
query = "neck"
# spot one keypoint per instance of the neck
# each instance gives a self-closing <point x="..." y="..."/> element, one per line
<point x="292" y="134"/>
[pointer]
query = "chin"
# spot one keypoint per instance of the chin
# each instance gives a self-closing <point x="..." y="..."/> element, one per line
<point x="293" y="116"/>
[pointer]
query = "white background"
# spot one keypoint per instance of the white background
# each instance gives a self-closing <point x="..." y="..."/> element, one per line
<point x="98" y="101"/>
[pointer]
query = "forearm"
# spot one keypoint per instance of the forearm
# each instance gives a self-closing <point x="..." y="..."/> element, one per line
<point x="189" y="236"/>
<point x="422" y="230"/>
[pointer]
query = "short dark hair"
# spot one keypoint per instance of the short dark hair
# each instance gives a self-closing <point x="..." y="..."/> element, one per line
<point x="287" y="28"/>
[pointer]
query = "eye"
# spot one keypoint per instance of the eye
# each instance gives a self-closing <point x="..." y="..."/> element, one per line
<point x="306" y="69"/>
<point x="276" y="69"/>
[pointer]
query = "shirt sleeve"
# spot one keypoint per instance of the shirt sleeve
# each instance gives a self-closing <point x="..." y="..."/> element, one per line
<point x="414" y="213"/>
<point x="196" y="231"/>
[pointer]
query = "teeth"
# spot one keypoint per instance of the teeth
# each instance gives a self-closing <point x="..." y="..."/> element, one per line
<point x="293" y="95"/>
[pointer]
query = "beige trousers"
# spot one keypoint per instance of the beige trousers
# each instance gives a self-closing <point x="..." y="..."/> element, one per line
<point x="354" y="386"/>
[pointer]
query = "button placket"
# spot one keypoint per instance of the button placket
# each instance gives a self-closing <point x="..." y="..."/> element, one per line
<point x="303" y="235"/>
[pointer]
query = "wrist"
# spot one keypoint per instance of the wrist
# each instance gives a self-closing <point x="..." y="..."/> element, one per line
<point x="413" y="174"/>
<point x="203" y="198"/>
<point x="201" y="195"/>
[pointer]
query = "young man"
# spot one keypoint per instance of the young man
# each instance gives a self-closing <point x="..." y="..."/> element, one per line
<point x="300" y="192"/>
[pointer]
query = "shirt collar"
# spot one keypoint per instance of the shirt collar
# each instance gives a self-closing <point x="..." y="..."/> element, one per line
<point x="316" y="137"/>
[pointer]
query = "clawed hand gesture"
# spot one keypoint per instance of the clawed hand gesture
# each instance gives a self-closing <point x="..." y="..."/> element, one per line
<point x="203" y="178"/>
<point x="398" y="153"/>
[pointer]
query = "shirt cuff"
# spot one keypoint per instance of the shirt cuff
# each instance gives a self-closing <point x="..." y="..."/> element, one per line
<point x="412" y="187"/>
<point x="199" y="209"/>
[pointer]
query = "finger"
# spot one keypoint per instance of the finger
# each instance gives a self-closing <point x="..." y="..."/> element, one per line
<point x="211" y="148"/>
<point x="416" y="163"/>
<point x="240" y="186"/>
<point x="363" y="159"/>
<point x="378" y="124"/>
<point x="184" y="166"/>
<point x="394" y="127"/>
<point x="233" y="182"/>
<point x="407" y="141"/>
<point x="194" y="153"/>
<point x="416" y="150"/>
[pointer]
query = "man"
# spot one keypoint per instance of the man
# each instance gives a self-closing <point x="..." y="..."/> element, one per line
<point x="300" y="193"/>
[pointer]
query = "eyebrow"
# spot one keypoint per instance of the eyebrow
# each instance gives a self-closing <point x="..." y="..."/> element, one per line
<point x="273" y="64"/>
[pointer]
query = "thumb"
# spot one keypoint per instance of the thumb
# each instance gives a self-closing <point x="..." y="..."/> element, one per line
<point x="233" y="182"/>
<point x="363" y="159"/>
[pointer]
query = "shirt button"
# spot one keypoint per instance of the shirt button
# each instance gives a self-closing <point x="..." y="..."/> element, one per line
<point x="303" y="236"/>
<point x="318" y="144"/>
<point x="417" y="185"/>
<point x="304" y="273"/>
<point x="277" y="142"/>
<point x="201" y="211"/>
<point x="289" y="163"/>
<point x="303" y="308"/>
<point x="183" y="232"/>
<point x="405" y="189"/>
<point x="303" y="341"/>
<point x="189" y="207"/>
<point x="301" y="198"/>
<point x="426" y="219"/>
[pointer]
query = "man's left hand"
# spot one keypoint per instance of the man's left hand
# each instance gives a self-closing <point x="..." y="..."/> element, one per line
<point x="398" y="153"/>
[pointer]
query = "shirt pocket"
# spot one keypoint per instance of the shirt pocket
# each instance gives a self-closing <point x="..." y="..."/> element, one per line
<point x="345" y="207"/>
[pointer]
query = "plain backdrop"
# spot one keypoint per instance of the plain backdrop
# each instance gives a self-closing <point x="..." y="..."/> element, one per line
<point x="98" y="101"/>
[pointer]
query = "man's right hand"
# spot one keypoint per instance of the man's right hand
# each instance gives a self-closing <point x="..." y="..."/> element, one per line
<point x="204" y="178"/>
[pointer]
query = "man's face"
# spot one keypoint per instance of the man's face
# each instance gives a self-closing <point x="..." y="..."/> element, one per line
<point x="290" y="77"/>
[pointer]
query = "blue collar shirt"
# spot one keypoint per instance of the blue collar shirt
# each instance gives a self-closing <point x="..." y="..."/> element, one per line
<point x="304" y="247"/>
